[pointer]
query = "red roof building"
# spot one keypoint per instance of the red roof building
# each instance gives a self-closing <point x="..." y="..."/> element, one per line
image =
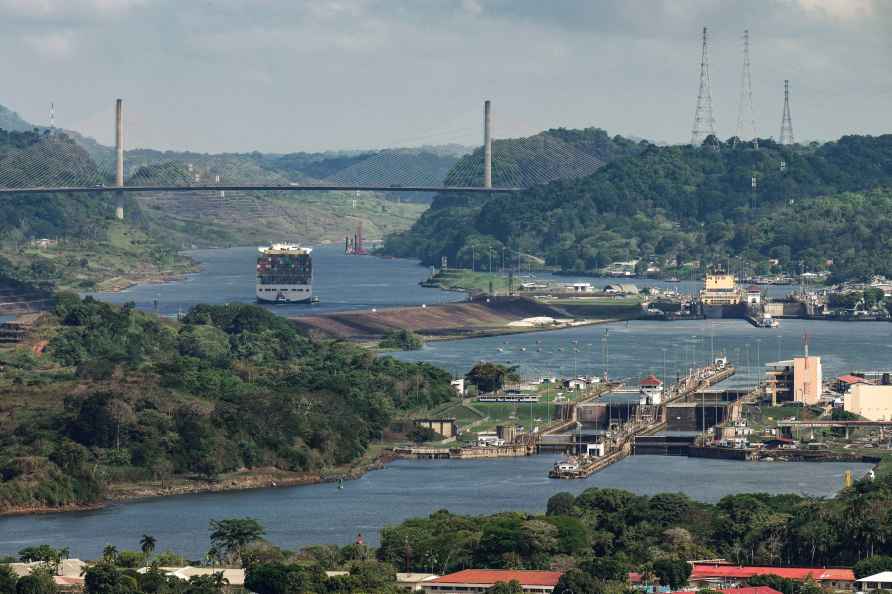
<point x="730" y="575"/>
<point x="851" y="379"/>
<point x="478" y="580"/>
<point x="651" y="381"/>
<point x="749" y="590"/>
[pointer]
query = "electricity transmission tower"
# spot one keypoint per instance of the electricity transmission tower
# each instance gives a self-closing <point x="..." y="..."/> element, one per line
<point x="746" y="119"/>
<point x="704" y="122"/>
<point x="786" y="131"/>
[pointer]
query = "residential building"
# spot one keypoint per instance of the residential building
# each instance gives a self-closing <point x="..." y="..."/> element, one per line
<point x="725" y="576"/>
<point x="874" y="403"/>
<point x="458" y="385"/>
<point x="479" y="580"/>
<point x="877" y="581"/>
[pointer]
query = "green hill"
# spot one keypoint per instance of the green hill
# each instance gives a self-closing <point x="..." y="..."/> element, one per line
<point x="122" y="398"/>
<point x="675" y="204"/>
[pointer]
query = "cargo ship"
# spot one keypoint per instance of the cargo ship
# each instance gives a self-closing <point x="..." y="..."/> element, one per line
<point x="285" y="274"/>
<point x="721" y="297"/>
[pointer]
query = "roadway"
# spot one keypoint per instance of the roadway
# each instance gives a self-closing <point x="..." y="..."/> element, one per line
<point x="262" y="188"/>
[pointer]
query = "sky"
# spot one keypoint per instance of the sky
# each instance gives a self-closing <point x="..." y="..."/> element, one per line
<point x="289" y="75"/>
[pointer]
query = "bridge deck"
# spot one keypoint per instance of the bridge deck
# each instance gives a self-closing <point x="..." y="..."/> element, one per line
<point x="261" y="188"/>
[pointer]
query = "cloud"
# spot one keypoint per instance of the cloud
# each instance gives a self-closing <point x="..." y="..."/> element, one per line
<point x="56" y="46"/>
<point x="839" y="10"/>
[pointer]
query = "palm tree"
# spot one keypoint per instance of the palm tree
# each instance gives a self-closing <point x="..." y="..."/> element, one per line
<point x="147" y="545"/>
<point x="219" y="580"/>
<point x="110" y="553"/>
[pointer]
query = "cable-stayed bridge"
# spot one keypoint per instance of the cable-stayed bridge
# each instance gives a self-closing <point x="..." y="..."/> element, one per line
<point x="58" y="163"/>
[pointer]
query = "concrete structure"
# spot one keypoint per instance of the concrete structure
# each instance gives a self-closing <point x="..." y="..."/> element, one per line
<point x="479" y="580"/>
<point x="487" y="145"/>
<point x="119" y="143"/>
<point x="119" y="155"/>
<point x="710" y="576"/>
<point x="869" y="401"/>
<point x="445" y="427"/>
<point x="487" y="439"/>
<point x="507" y="433"/>
<point x="795" y="380"/>
<point x="877" y="581"/>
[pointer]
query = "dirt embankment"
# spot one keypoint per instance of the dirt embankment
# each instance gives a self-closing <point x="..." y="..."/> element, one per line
<point x="256" y="478"/>
<point x="487" y="315"/>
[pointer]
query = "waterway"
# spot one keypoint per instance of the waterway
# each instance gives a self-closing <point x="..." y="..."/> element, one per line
<point x="341" y="282"/>
<point x="314" y="514"/>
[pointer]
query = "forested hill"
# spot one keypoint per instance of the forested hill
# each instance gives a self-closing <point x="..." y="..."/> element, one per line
<point x="10" y="121"/>
<point x="678" y="203"/>
<point x="554" y="154"/>
<point x="123" y="396"/>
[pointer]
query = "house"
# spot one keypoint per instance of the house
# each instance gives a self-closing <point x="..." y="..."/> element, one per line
<point x="877" y="581"/>
<point x="578" y="383"/>
<point x="709" y="576"/>
<point x="413" y="581"/>
<point x="581" y="288"/>
<point x="651" y="390"/>
<point x="479" y="580"/>
<point x="235" y="578"/>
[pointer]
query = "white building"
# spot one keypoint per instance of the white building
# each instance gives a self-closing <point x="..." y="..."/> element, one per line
<point x="651" y="390"/>
<point x="877" y="581"/>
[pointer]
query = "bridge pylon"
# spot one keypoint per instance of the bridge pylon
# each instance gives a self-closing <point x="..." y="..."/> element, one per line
<point x="487" y="145"/>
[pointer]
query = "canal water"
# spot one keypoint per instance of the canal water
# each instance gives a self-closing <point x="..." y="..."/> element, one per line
<point x="341" y="282"/>
<point x="314" y="514"/>
<point x="300" y="516"/>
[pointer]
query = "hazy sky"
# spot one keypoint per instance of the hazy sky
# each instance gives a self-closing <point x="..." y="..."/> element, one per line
<point x="286" y="75"/>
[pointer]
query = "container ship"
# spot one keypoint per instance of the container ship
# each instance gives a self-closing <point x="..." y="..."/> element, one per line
<point x="285" y="274"/>
<point x="721" y="297"/>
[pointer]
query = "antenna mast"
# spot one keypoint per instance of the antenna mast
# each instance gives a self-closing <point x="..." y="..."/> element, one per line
<point x="786" y="131"/>
<point x="704" y="122"/>
<point x="746" y="119"/>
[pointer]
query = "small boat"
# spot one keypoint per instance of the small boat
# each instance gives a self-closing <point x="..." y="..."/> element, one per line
<point x="672" y="279"/>
<point x="314" y="299"/>
<point x="340" y="484"/>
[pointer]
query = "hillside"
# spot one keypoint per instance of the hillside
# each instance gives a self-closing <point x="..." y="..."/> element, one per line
<point x="11" y="122"/>
<point x="122" y="397"/>
<point x="676" y="204"/>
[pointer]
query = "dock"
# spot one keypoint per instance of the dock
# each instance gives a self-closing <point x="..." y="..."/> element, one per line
<point x="468" y="453"/>
<point x="649" y="419"/>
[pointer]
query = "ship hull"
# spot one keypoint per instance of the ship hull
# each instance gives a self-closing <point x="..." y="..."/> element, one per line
<point x="285" y="294"/>
<point x="724" y="311"/>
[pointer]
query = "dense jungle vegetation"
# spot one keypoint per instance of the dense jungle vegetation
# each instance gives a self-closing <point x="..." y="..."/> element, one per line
<point x="677" y="204"/>
<point x="122" y="395"/>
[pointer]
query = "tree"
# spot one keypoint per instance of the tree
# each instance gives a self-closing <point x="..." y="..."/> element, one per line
<point x="110" y="554"/>
<point x="872" y="565"/>
<point x="277" y="578"/>
<point x="105" y="578"/>
<point x="576" y="582"/>
<point x="561" y="504"/>
<point x="672" y="572"/>
<point x="147" y="545"/>
<point x="512" y="587"/>
<point x="8" y="579"/>
<point x="35" y="584"/>
<point x="489" y="377"/>
<point x="230" y="536"/>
